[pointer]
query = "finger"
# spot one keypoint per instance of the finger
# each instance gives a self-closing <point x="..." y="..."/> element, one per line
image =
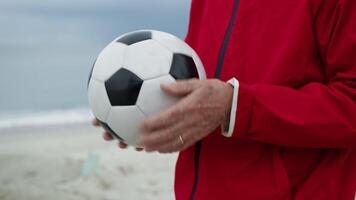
<point x="174" y="146"/>
<point x="151" y="142"/>
<point x="171" y="147"/>
<point x="122" y="145"/>
<point x="154" y="140"/>
<point x="188" y="139"/>
<point x="107" y="136"/>
<point x="95" y="123"/>
<point x="180" y="88"/>
<point x="168" y="117"/>
<point x="162" y="120"/>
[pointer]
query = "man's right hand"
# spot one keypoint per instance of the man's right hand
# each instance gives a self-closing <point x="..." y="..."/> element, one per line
<point x="107" y="136"/>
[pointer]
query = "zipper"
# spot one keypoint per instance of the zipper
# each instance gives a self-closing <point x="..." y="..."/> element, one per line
<point x="226" y="41"/>
<point x="196" y="169"/>
<point x="219" y="66"/>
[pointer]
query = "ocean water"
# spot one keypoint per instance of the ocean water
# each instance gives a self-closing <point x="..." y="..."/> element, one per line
<point x="47" y="49"/>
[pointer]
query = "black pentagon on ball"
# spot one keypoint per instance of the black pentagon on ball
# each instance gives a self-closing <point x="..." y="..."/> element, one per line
<point x="135" y="37"/>
<point x="123" y="88"/>
<point x="183" y="67"/>
<point x="109" y="130"/>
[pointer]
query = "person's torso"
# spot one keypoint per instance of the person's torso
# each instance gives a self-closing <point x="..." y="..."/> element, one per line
<point x="270" y="42"/>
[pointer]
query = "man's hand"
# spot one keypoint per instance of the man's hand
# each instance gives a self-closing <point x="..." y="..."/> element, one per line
<point x="108" y="137"/>
<point x="204" y="106"/>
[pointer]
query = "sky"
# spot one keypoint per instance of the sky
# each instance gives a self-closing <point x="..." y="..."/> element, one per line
<point x="47" y="47"/>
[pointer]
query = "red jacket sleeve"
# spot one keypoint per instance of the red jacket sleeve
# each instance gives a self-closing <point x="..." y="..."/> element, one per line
<point x="321" y="115"/>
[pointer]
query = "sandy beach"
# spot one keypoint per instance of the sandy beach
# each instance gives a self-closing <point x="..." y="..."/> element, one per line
<point x="74" y="162"/>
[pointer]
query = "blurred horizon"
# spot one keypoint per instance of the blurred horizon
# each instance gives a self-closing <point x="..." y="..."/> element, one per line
<point x="47" y="48"/>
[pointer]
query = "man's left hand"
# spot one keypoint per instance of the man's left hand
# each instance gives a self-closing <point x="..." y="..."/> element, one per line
<point x="205" y="105"/>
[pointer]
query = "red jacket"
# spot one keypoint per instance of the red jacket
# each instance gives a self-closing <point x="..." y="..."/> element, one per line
<point x="295" y="129"/>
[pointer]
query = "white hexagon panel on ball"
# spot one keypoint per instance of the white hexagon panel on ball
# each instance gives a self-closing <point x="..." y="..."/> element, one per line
<point x="98" y="99"/>
<point x="171" y="42"/>
<point x="152" y="99"/>
<point x="148" y="59"/>
<point x="109" y="61"/>
<point x="125" y="122"/>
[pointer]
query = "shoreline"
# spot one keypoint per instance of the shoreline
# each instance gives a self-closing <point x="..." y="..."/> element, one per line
<point x="45" y="118"/>
<point x="28" y="129"/>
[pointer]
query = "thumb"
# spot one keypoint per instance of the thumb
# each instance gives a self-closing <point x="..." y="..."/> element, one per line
<point x="180" y="88"/>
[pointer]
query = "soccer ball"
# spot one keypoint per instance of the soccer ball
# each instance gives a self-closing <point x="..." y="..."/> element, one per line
<point x="124" y="83"/>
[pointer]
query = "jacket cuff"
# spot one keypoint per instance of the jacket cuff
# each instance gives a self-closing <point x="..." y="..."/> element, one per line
<point x="228" y="128"/>
<point x="244" y="110"/>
